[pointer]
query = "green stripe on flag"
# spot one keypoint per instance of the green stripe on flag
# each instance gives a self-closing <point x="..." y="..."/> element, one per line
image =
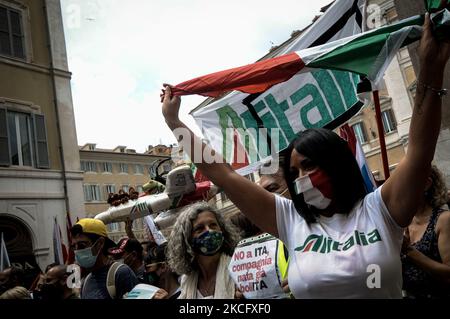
<point x="433" y="4"/>
<point x="359" y="54"/>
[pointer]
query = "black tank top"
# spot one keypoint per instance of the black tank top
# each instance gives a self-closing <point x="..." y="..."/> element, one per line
<point x="416" y="282"/>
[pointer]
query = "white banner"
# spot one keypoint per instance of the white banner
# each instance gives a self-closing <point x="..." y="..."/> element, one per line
<point x="254" y="268"/>
<point x="156" y="233"/>
<point x="322" y="98"/>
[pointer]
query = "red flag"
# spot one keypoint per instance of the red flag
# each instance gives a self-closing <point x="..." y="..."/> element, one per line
<point x="71" y="255"/>
<point x="347" y="134"/>
<point x="58" y="246"/>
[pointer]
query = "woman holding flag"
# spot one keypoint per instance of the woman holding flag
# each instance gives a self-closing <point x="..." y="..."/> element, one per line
<point x="343" y="243"/>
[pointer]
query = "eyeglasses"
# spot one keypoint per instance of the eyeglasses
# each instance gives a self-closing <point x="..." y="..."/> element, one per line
<point x="154" y="264"/>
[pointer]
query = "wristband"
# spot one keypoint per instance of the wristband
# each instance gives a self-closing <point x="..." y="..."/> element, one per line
<point x="440" y="92"/>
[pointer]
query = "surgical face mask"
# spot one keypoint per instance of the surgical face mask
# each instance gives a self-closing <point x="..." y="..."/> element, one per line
<point x="85" y="258"/>
<point x="208" y="243"/>
<point x="316" y="189"/>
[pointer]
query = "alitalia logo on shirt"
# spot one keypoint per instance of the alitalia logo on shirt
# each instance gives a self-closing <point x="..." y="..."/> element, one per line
<point x="325" y="245"/>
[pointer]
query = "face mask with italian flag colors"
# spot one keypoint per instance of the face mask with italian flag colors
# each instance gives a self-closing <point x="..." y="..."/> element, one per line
<point x="315" y="188"/>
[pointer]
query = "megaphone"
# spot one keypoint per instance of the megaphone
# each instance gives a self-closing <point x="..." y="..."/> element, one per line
<point x="180" y="182"/>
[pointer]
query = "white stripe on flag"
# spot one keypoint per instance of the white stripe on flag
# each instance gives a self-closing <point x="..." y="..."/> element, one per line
<point x="326" y="22"/>
<point x="387" y="54"/>
<point x="364" y="167"/>
<point x="4" y="258"/>
<point x="335" y="22"/>
<point x="59" y="258"/>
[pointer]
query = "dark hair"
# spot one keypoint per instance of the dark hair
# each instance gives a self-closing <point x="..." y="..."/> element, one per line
<point x="17" y="275"/>
<point x="50" y="266"/>
<point x="77" y="230"/>
<point x="333" y="155"/>
<point x="133" y="245"/>
<point x="156" y="254"/>
<point x="247" y="228"/>
<point x="436" y="195"/>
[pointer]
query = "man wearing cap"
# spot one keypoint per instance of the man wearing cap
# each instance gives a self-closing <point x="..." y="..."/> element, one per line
<point x="131" y="252"/>
<point x="105" y="279"/>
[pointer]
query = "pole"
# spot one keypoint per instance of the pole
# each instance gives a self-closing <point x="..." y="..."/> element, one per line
<point x="376" y="99"/>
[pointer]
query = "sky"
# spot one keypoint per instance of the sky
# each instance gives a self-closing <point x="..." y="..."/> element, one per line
<point x="120" y="53"/>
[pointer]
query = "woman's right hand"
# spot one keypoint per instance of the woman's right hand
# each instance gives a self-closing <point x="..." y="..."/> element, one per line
<point x="170" y="105"/>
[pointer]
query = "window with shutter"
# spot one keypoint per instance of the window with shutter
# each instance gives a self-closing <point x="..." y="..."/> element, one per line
<point x="389" y="122"/>
<point x="23" y="139"/>
<point x="5" y="159"/>
<point x="109" y="189"/>
<point x="41" y="142"/>
<point x="11" y="33"/>
<point x="360" y="132"/>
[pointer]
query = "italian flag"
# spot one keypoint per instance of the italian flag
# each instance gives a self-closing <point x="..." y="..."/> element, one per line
<point x="367" y="54"/>
<point x="434" y="4"/>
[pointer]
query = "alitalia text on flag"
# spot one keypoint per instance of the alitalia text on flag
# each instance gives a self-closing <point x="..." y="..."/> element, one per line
<point x="230" y="123"/>
<point x="333" y="70"/>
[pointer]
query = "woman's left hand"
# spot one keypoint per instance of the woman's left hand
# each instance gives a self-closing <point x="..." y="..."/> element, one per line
<point x="161" y="294"/>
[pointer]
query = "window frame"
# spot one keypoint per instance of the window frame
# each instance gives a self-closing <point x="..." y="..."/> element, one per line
<point x="35" y="123"/>
<point x="390" y="121"/>
<point x="109" y="165"/>
<point x="25" y="24"/>
<point x="87" y="167"/>
<point x="113" y="227"/>
<point x="121" y="166"/>
<point x="96" y="192"/>
<point x="31" y="139"/>
<point x="107" y="191"/>
<point x="364" y="138"/>
<point x="139" y="171"/>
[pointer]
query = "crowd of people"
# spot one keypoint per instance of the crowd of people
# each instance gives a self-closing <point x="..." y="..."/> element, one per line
<point x="327" y="229"/>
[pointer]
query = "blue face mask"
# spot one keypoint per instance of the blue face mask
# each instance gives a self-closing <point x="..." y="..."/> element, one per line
<point x="208" y="243"/>
<point x="85" y="258"/>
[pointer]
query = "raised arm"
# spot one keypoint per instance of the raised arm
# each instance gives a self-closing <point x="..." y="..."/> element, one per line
<point x="255" y="202"/>
<point x="404" y="189"/>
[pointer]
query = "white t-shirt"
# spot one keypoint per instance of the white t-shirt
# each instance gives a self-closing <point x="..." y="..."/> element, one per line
<point x="341" y="256"/>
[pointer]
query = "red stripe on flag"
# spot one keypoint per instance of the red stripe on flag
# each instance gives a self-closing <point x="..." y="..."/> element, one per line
<point x="252" y="78"/>
<point x="71" y="255"/>
<point x="347" y="133"/>
<point x="238" y="151"/>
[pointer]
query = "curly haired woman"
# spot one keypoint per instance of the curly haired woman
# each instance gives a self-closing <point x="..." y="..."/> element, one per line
<point x="200" y="248"/>
<point x="426" y="244"/>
